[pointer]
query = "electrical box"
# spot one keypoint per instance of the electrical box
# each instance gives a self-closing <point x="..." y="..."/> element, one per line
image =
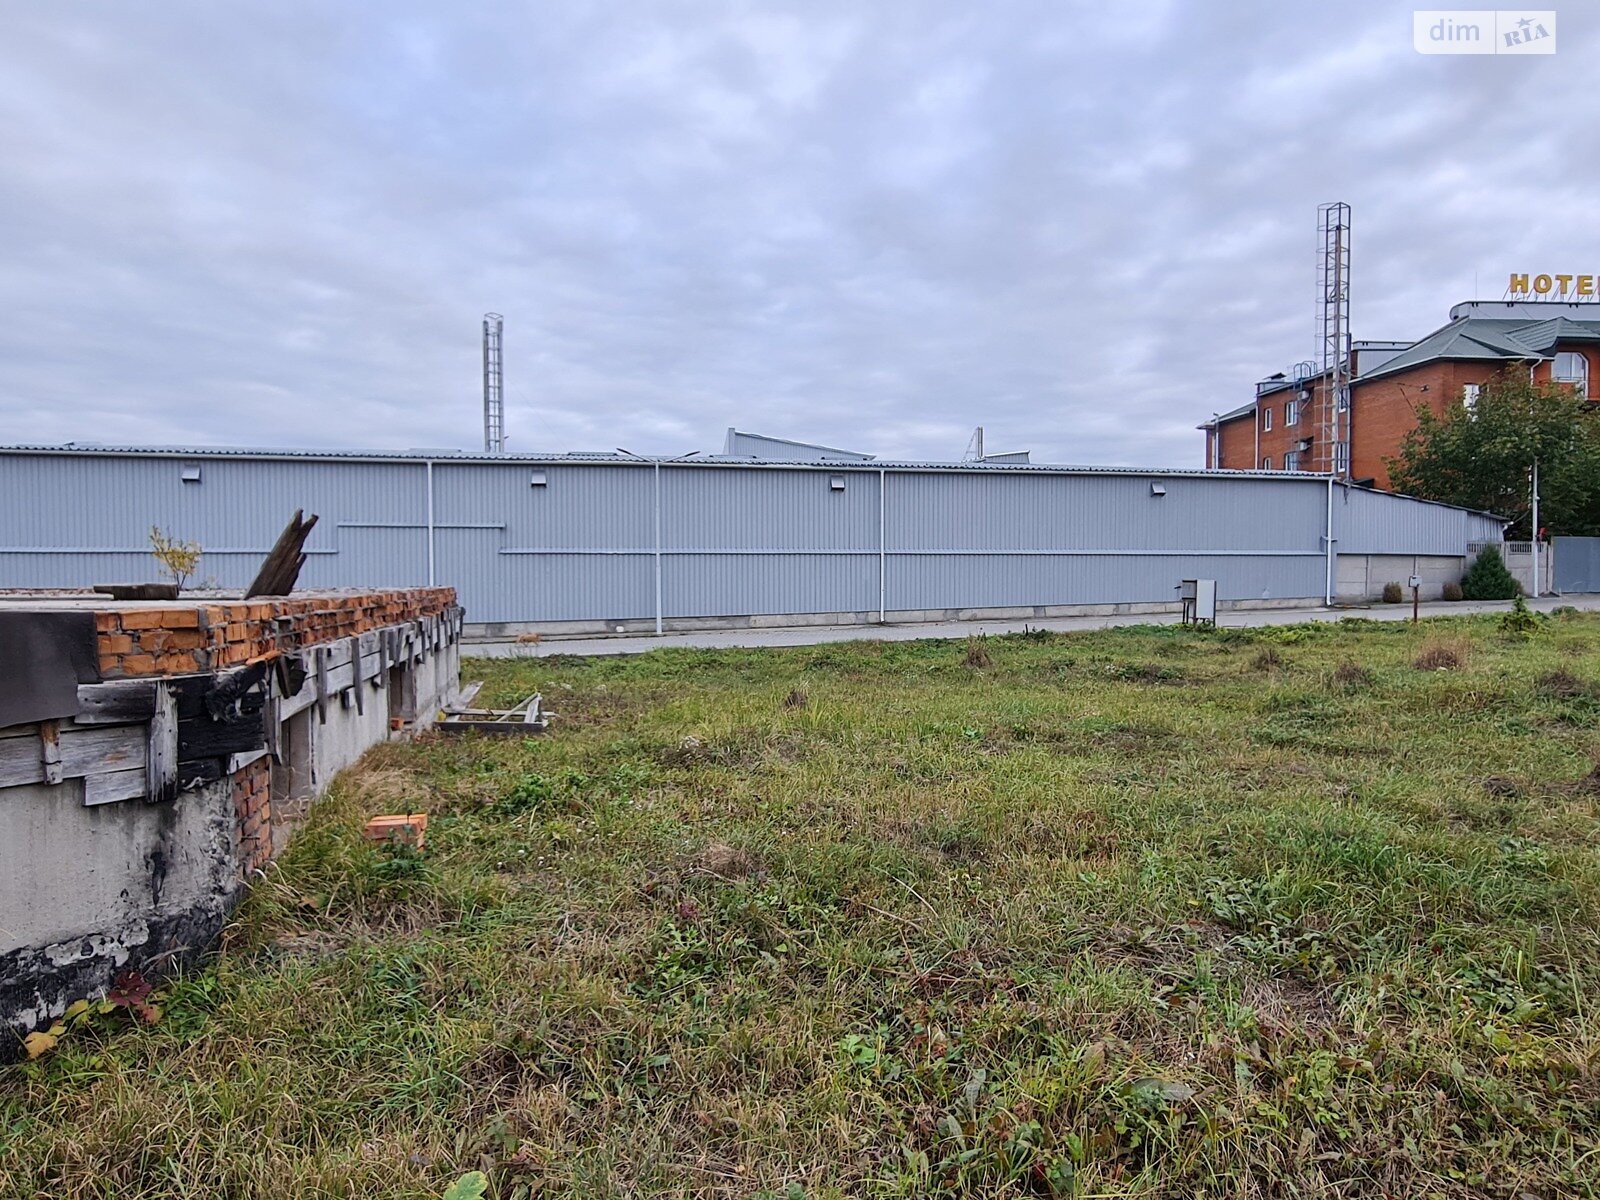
<point x="1416" y="582"/>
<point x="1198" y="598"/>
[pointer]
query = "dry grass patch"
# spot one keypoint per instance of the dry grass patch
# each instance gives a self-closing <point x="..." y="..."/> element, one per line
<point x="1443" y="652"/>
<point x="1352" y="676"/>
<point x="978" y="656"/>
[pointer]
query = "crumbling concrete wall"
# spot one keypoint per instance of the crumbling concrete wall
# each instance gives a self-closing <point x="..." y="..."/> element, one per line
<point x="95" y="877"/>
<point x="88" y="890"/>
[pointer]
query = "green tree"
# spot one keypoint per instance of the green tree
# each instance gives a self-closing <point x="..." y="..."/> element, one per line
<point x="1480" y="457"/>
<point x="1489" y="579"/>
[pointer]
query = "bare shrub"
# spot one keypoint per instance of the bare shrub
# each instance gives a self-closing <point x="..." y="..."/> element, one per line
<point x="1269" y="659"/>
<point x="1352" y="675"/>
<point x="978" y="652"/>
<point x="1442" y="654"/>
<point x="1561" y="684"/>
<point x="797" y="698"/>
<point x="1393" y="593"/>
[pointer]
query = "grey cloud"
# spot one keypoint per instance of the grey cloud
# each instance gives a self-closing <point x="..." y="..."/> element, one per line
<point x="1087" y="227"/>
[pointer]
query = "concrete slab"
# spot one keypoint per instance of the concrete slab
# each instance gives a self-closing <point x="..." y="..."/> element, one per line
<point x="818" y="635"/>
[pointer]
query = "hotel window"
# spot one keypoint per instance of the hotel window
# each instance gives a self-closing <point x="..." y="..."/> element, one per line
<point x="1469" y="395"/>
<point x="1266" y="419"/>
<point x="1291" y="412"/>
<point x="1291" y="461"/>
<point x="1574" y="369"/>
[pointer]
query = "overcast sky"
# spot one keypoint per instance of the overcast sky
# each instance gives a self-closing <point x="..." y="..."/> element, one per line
<point x="876" y="225"/>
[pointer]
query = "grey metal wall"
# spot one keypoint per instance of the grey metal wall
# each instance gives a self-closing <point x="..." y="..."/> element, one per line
<point x="1368" y="522"/>
<point x="610" y="541"/>
<point x="1577" y="564"/>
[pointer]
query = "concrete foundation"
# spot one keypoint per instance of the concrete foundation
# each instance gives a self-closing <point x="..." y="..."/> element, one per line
<point x="510" y="631"/>
<point x="1362" y="576"/>
<point x="130" y="828"/>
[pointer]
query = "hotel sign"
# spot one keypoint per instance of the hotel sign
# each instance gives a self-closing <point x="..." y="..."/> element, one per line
<point x="1553" y="287"/>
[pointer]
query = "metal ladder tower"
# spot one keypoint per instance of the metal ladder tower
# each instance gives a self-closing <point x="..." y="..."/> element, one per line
<point x="1332" y="453"/>
<point x="494" y="405"/>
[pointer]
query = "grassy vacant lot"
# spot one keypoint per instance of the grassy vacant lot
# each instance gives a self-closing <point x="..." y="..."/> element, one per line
<point x="1136" y="913"/>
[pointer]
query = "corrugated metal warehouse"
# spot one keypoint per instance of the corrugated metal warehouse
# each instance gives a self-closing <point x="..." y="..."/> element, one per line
<point x="573" y="543"/>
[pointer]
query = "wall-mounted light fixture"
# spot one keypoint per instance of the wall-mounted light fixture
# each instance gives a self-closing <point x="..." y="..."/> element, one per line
<point x="836" y="483"/>
<point x="537" y="479"/>
<point x="190" y="473"/>
<point x="1158" y="489"/>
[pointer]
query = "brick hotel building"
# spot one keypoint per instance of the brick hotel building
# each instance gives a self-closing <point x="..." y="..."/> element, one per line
<point x="1391" y="381"/>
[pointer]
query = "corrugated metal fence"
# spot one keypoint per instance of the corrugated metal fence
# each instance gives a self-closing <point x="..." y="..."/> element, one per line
<point x="558" y="540"/>
<point x="1577" y="564"/>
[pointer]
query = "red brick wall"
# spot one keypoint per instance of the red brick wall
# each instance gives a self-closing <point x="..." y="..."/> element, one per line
<point x="252" y="811"/>
<point x="182" y="637"/>
<point x="1243" y="449"/>
<point x="1284" y="438"/>
<point x="1238" y="443"/>
<point x="1386" y="408"/>
<point x="1382" y="413"/>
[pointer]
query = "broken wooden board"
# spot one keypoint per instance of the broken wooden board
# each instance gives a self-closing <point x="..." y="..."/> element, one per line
<point x="525" y="718"/>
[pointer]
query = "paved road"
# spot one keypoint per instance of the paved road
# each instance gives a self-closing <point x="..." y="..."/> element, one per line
<point x="818" y="634"/>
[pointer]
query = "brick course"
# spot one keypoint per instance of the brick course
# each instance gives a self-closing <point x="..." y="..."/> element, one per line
<point x="180" y="637"/>
<point x="252" y="812"/>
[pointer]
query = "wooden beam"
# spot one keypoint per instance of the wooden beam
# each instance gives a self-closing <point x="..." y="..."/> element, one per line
<point x="356" y="689"/>
<point x="161" y="747"/>
<point x="321" y="653"/>
<point x="281" y="569"/>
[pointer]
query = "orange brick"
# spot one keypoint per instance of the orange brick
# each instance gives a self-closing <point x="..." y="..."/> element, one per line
<point x="411" y="828"/>
<point x="107" y="621"/>
<point x="115" y="643"/>
<point x="138" y="664"/>
<point x="186" y="618"/>
<point x="142" y="618"/>
<point x="177" y="664"/>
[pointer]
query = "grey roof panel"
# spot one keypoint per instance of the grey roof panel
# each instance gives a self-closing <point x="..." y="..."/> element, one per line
<point x="1491" y="339"/>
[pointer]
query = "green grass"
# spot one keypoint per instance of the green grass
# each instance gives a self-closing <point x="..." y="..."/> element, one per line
<point x="1147" y="912"/>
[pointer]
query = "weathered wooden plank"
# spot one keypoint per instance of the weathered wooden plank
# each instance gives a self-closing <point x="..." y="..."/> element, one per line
<point x="113" y="786"/>
<point x="201" y="770"/>
<point x="83" y="752"/>
<point x="272" y="724"/>
<point x="321" y="653"/>
<point x="357" y="690"/>
<point x="50" y="750"/>
<point x="292" y="705"/>
<point x="235" y="732"/>
<point x="283" y="563"/>
<point x="239" y="762"/>
<point x="337" y="654"/>
<point x="161" y="747"/>
<point x="116" y="703"/>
